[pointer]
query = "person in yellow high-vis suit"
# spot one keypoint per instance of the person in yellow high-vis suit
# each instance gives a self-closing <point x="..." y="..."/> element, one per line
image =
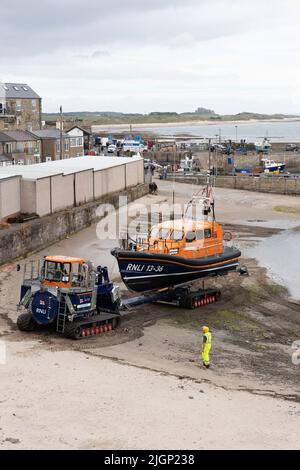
<point x="206" y="346"/>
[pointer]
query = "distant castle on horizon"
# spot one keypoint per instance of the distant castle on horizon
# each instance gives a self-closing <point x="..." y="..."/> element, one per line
<point x="205" y="111"/>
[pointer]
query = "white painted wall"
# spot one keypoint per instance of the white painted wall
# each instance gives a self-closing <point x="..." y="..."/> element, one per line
<point x="100" y="183"/>
<point x="43" y="203"/>
<point x="28" y="196"/>
<point x="84" y="186"/>
<point x="131" y="174"/>
<point x="85" y="176"/>
<point x="140" y="171"/>
<point x="75" y="132"/>
<point x="62" y="191"/>
<point x="10" y="192"/>
<point x="115" y="179"/>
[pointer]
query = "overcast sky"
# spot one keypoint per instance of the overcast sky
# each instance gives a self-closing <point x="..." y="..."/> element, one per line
<point x="155" y="55"/>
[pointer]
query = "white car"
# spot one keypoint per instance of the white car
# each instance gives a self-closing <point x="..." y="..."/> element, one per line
<point x="111" y="148"/>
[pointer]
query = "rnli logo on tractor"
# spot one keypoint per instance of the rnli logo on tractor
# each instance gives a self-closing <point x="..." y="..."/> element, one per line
<point x="42" y="311"/>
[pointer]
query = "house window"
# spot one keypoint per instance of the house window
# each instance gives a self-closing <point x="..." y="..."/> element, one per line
<point x="25" y="88"/>
<point x="8" y="148"/>
<point x="79" y="142"/>
<point x="21" y="147"/>
<point x="67" y="144"/>
<point x="29" y="126"/>
<point x="57" y="146"/>
<point x="16" y="88"/>
<point x="73" y="142"/>
<point x="18" y="106"/>
<point x="33" y="105"/>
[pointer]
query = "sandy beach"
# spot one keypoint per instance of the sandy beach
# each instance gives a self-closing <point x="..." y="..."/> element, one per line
<point x="140" y="386"/>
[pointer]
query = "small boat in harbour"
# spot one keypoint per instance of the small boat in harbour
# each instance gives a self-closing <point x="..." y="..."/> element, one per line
<point x="179" y="251"/>
<point x="263" y="147"/>
<point x="270" y="166"/>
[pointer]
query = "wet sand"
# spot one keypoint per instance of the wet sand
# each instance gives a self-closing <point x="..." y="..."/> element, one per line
<point x="140" y="386"/>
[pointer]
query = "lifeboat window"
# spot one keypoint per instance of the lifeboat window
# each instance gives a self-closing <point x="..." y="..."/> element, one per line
<point x="177" y="235"/>
<point x="164" y="233"/>
<point x="190" y="237"/>
<point x="199" y="234"/>
<point x="206" y="233"/>
<point x="155" y="232"/>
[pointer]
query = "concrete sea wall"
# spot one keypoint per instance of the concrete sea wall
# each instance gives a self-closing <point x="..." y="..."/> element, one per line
<point x="20" y="240"/>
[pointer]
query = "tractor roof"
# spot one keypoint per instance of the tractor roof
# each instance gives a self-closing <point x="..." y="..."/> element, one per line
<point x="64" y="259"/>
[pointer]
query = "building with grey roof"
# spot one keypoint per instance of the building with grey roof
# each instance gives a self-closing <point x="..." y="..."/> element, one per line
<point x="52" y="140"/>
<point x="20" y="147"/>
<point x="50" y="133"/>
<point x="17" y="90"/>
<point x="20" y="107"/>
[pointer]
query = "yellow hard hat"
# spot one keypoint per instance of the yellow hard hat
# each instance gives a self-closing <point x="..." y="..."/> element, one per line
<point x="205" y="329"/>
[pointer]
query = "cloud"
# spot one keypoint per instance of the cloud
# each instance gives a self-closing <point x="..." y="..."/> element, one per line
<point x="140" y="55"/>
<point x="37" y="26"/>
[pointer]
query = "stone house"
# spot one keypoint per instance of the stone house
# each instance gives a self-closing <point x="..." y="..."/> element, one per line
<point x="76" y="134"/>
<point x="20" y="107"/>
<point x="19" y="148"/>
<point x="79" y="135"/>
<point x="51" y="142"/>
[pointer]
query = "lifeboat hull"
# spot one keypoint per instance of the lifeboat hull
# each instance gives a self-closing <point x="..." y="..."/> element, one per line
<point x="145" y="271"/>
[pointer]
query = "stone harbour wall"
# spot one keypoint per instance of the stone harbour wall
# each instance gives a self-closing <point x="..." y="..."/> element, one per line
<point x="266" y="184"/>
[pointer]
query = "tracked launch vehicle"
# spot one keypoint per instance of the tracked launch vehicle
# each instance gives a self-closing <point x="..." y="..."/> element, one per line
<point x="69" y="294"/>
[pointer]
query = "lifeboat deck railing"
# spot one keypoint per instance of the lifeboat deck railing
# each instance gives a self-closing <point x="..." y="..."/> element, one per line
<point x="174" y="247"/>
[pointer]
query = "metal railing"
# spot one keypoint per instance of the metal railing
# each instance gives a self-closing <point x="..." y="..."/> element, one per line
<point x="6" y="112"/>
<point x="35" y="270"/>
<point x="167" y="246"/>
<point x="32" y="270"/>
<point x="25" y="151"/>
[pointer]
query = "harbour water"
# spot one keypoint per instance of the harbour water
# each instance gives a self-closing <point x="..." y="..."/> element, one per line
<point x="283" y="131"/>
<point x="280" y="255"/>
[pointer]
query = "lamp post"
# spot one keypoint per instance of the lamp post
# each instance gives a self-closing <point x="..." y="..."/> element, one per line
<point x="61" y="133"/>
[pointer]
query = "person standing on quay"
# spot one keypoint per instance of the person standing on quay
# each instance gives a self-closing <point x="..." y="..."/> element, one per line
<point x="206" y="347"/>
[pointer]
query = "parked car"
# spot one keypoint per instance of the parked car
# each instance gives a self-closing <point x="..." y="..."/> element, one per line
<point x="111" y="148"/>
<point x="291" y="148"/>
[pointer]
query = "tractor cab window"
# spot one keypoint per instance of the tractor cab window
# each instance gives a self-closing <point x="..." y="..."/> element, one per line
<point x="57" y="272"/>
<point x="78" y="274"/>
